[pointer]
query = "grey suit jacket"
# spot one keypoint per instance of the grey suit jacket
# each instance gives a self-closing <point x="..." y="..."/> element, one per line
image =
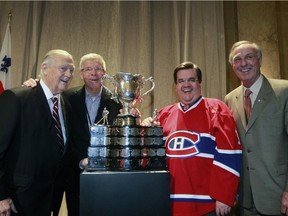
<point x="265" y="145"/>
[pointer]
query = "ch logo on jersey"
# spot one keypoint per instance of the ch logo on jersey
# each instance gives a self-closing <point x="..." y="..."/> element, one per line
<point x="182" y="144"/>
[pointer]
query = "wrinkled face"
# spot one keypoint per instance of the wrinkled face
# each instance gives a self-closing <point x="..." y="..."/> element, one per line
<point x="92" y="74"/>
<point x="246" y="64"/>
<point x="58" y="73"/>
<point x="188" y="88"/>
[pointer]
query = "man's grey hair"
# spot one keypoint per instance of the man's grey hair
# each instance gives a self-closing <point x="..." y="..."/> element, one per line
<point x="239" y="43"/>
<point x="92" y="56"/>
<point x="50" y="55"/>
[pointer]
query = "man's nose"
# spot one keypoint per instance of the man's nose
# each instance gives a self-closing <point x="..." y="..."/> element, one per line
<point x="69" y="72"/>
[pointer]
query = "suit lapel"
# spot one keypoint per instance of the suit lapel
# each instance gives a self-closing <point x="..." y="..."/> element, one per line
<point x="64" y="112"/>
<point x="82" y="108"/>
<point x="261" y="101"/>
<point x="42" y="105"/>
<point x="41" y="99"/>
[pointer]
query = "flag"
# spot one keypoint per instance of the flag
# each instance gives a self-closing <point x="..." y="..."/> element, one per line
<point x="1" y="87"/>
<point x="5" y="59"/>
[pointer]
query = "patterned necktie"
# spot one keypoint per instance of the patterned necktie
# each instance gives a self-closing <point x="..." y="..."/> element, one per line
<point x="247" y="103"/>
<point x="55" y="115"/>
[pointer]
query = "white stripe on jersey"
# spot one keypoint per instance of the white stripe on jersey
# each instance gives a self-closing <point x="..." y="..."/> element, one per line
<point x="229" y="169"/>
<point x="190" y="196"/>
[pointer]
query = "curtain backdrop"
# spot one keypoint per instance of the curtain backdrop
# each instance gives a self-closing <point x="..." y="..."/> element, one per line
<point x="146" y="37"/>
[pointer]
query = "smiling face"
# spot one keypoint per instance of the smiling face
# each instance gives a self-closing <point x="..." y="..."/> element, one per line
<point x="246" y="64"/>
<point x="188" y="87"/>
<point x="57" y="72"/>
<point x="92" y="74"/>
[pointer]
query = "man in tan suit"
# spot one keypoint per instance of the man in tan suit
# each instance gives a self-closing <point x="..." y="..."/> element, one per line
<point x="264" y="135"/>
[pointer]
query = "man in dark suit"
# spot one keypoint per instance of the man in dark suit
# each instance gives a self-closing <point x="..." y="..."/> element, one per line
<point x="89" y="101"/>
<point x="263" y="133"/>
<point x="31" y="152"/>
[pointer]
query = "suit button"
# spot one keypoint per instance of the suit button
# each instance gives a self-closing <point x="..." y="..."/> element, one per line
<point x="249" y="150"/>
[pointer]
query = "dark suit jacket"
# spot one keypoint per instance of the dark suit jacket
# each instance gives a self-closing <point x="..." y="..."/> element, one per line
<point x="81" y="130"/>
<point x="265" y="145"/>
<point x="29" y="151"/>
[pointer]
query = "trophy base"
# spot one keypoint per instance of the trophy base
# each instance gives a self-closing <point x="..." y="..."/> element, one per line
<point x="126" y="148"/>
<point x="126" y="120"/>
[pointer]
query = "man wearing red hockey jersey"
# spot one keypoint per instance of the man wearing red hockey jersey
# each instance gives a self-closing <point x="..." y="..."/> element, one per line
<point x="202" y="148"/>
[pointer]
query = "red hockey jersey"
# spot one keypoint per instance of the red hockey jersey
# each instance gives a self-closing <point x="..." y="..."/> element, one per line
<point x="203" y="156"/>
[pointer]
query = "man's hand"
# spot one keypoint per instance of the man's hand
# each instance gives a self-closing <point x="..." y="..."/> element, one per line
<point x="150" y="122"/>
<point x="6" y="206"/>
<point x="30" y="83"/>
<point x="222" y="209"/>
<point x="83" y="163"/>
<point x="284" y="203"/>
<point x="135" y="112"/>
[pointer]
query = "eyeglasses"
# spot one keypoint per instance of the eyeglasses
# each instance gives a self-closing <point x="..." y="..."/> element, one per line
<point x="92" y="69"/>
<point x="189" y="80"/>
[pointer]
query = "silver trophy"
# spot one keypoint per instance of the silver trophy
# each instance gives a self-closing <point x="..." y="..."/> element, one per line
<point x="125" y="145"/>
<point x="128" y="91"/>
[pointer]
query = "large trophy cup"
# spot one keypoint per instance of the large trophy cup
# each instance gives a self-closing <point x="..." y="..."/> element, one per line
<point x="127" y="90"/>
<point x="126" y="145"/>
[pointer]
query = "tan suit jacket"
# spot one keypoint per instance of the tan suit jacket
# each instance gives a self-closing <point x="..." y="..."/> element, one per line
<point x="265" y="145"/>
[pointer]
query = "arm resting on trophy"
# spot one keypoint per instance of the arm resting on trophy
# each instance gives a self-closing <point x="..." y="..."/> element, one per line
<point x="151" y="121"/>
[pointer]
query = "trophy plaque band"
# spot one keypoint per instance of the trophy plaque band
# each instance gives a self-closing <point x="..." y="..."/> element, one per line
<point x="126" y="148"/>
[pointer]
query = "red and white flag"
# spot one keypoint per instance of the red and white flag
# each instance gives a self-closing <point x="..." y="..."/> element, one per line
<point x="1" y="87"/>
<point x="5" y="60"/>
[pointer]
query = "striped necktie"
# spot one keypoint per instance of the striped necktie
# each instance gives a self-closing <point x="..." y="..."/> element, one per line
<point x="56" y="118"/>
<point x="247" y="103"/>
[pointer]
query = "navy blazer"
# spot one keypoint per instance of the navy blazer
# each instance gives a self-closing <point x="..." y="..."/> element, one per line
<point x="80" y="126"/>
<point x="30" y="156"/>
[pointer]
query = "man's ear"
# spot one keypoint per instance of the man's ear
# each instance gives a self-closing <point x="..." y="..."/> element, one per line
<point x="44" y="68"/>
<point x="81" y="75"/>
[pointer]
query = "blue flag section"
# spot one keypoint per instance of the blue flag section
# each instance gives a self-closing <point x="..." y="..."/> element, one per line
<point x="5" y="60"/>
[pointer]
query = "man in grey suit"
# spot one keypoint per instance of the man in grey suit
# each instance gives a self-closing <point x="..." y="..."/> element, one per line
<point x="32" y="149"/>
<point x="264" y="135"/>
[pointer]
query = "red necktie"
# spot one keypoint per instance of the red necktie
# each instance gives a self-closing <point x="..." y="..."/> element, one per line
<point x="55" y="115"/>
<point x="247" y="103"/>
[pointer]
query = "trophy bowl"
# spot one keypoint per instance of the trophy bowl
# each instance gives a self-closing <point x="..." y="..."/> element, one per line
<point x="128" y="91"/>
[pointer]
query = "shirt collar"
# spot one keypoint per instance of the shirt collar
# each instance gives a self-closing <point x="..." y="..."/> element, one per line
<point x="190" y="105"/>
<point x="47" y="91"/>
<point x="89" y="96"/>
<point x="255" y="88"/>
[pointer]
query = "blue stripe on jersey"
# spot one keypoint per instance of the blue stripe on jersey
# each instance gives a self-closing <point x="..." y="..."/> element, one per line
<point x="229" y="160"/>
<point x="207" y="145"/>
